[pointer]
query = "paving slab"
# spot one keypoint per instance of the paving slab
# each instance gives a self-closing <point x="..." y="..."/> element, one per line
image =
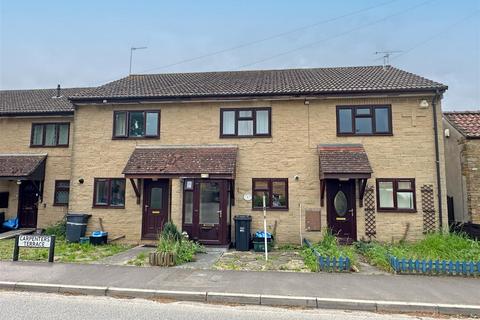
<point x="204" y="260"/>
<point x="123" y="257"/>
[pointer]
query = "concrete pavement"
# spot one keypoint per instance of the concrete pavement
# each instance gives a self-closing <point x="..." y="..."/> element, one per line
<point x="348" y="291"/>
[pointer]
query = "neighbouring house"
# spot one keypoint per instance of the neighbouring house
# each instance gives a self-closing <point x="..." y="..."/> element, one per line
<point x="462" y="162"/>
<point x="355" y="149"/>
<point x="35" y="154"/>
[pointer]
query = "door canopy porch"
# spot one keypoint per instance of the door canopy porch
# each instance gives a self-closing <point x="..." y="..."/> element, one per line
<point x="205" y="161"/>
<point x="22" y="167"/>
<point x="343" y="161"/>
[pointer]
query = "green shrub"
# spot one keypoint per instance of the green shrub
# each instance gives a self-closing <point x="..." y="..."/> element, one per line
<point x="172" y="241"/>
<point x="170" y="231"/>
<point x="58" y="229"/>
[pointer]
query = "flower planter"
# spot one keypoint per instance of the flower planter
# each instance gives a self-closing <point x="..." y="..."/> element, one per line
<point x="163" y="259"/>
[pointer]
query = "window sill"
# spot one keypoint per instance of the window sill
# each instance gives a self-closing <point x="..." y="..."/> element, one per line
<point x="107" y="207"/>
<point x="243" y="137"/>
<point x="59" y="146"/>
<point x="364" y="135"/>
<point x="270" y="209"/>
<point x="397" y="210"/>
<point x="135" y="138"/>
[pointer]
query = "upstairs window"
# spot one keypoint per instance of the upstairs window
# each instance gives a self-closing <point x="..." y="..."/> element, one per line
<point x="364" y="120"/>
<point x="109" y="193"/>
<point x="136" y="124"/>
<point x="396" y="195"/>
<point x="275" y="190"/>
<point x="50" y="135"/>
<point x="245" y="122"/>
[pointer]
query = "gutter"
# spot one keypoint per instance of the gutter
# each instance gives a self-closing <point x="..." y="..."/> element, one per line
<point x="437" y="160"/>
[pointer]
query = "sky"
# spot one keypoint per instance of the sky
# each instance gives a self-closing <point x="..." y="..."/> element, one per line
<point x="87" y="43"/>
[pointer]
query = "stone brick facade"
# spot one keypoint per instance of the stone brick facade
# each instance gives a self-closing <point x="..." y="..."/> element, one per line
<point x="15" y="133"/>
<point x="471" y="172"/>
<point x="462" y="163"/>
<point x="297" y="129"/>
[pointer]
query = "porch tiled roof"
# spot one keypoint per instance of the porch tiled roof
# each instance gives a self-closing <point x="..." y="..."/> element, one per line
<point x="261" y="82"/>
<point x="467" y="122"/>
<point x="19" y="165"/>
<point x="182" y="160"/>
<point x="343" y="159"/>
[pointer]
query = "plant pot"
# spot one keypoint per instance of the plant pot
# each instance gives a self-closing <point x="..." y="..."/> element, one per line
<point x="163" y="259"/>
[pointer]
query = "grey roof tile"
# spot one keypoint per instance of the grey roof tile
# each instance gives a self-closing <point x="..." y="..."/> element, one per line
<point x="261" y="82"/>
<point x="13" y="102"/>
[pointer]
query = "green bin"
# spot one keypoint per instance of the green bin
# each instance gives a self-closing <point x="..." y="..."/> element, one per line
<point x="259" y="245"/>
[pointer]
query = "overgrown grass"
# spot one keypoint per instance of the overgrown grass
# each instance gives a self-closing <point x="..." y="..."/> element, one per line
<point x="328" y="247"/>
<point x="172" y="241"/>
<point x="64" y="252"/>
<point x="140" y="260"/>
<point x="59" y="229"/>
<point x="435" y="246"/>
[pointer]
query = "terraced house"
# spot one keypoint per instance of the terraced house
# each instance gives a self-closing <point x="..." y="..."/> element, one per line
<point x="354" y="149"/>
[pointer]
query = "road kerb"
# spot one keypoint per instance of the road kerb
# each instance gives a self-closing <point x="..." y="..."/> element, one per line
<point x="82" y="290"/>
<point x="7" y="285"/>
<point x="294" y="301"/>
<point x="198" y="296"/>
<point x="452" y="309"/>
<point x="347" y="304"/>
<point x="240" y="298"/>
<point x="400" y="306"/>
<point x="276" y="300"/>
<point x="37" y="287"/>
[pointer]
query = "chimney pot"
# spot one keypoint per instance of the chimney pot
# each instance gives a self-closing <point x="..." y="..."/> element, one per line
<point x="58" y="91"/>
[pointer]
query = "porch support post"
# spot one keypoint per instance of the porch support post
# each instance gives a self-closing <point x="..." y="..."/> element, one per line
<point x="362" y="184"/>
<point x="322" y="192"/>
<point x="135" y="188"/>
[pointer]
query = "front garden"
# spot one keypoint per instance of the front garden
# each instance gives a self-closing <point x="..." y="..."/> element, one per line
<point x="447" y="253"/>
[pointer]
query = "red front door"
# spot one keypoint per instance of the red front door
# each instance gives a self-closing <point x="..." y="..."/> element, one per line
<point x="205" y="211"/>
<point x="341" y="214"/>
<point x="155" y="208"/>
<point x="27" y="205"/>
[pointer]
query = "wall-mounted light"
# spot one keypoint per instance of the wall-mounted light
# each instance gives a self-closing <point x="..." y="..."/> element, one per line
<point x="19" y="182"/>
<point x="81" y="181"/>
<point x="204" y="175"/>
<point x="296" y="177"/>
<point x="306" y="102"/>
<point x="424" y="104"/>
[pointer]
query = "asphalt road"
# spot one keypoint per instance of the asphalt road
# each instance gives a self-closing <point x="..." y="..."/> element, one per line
<point x="39" y="306"/>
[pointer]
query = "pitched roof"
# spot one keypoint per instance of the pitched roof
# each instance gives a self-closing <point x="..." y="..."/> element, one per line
<point x="261" y="82"/>
<point x="466" y="122"/>
<point x="17" y="102"/>
<point x="343" y="159"/>
<point x="182" y="160"/>
<point x="20" y="165"/>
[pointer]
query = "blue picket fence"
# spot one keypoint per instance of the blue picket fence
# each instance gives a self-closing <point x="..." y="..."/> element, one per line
<point x="435" y="267"/>
<point x="329" y="264"/>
